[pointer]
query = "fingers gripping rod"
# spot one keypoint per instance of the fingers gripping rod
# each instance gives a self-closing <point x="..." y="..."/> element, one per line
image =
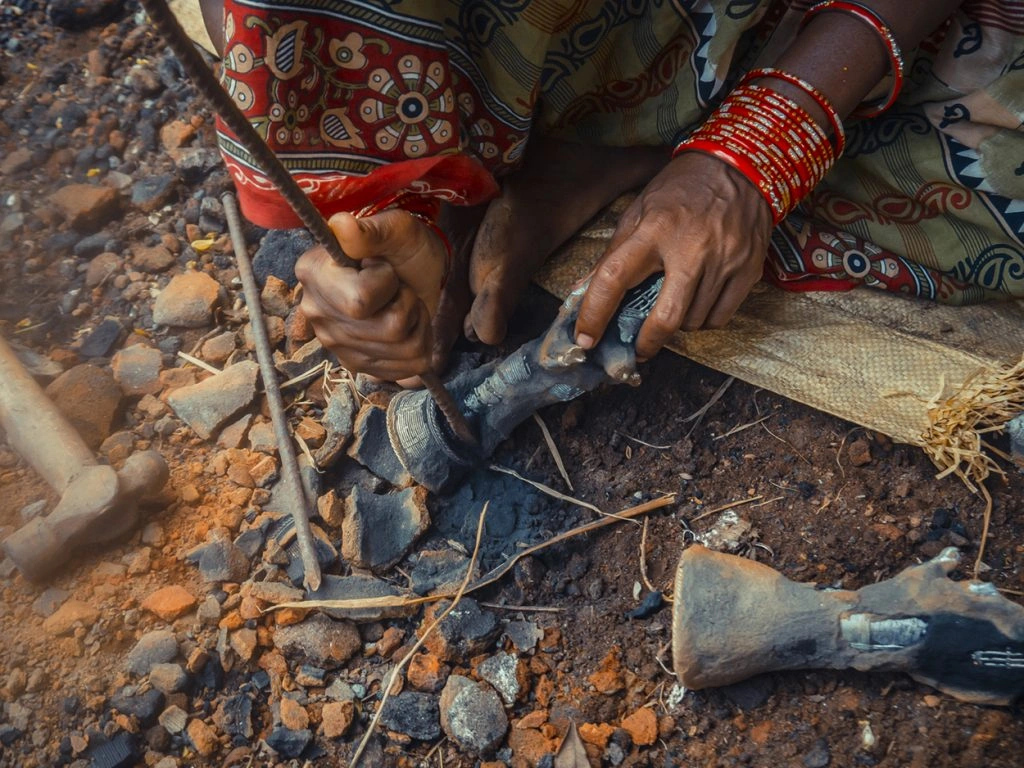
<point x="206" y="83"/>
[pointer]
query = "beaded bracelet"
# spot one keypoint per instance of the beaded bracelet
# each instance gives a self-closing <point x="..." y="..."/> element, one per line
<point x="424" y="209"/>
<point x="838" y="132"/>
<point x="888" y="39"/>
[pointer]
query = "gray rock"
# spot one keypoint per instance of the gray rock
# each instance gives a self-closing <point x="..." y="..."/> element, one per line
<point x="379" y="530"/>
<point x="187" y="301"/>
<point x="358" y="586"/>
<point x="414" y="714"/>
<point x="211" y="403"/>
<point x="82" y="14"/>
<point x="195" y="163"/>
<point x="1015" y="429"/>
<point x="436" y="569"/>
<point x="157" y="647"/>
<point x="278" y="253"/>
<point x="339" y="690"/>
<point x="306" y="357"/>
<point x="250" y="542"/>
<point x="371" y="446"/>
<point x="151" y="193"/>
<point x="144" y="706"/>
<point x="234" y="717"/>
<point x="174" y="719"/>
<point x="524" y="635"/>
<point x="472" y="715"/>
<point x="287" y="743"/>
<point x="262" y="438"/>
<point x="102" y="338"/>
<point x="168" y="678"/>
<point x="320" y="640"/>
<point x="500" y="672"/>
<point x="818" y="756"/>
<point x="464" y="633"/>
<point x="338" y="419"/>
<point x="219" y="559"/>
<point x="137" y="369"/>
<point x="49" y="601"/>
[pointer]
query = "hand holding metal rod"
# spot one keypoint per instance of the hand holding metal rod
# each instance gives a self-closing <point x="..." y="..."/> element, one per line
<point x="206" y="83"/>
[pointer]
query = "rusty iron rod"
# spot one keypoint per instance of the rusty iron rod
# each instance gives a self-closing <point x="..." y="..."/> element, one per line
<point x="206" y="83"/>
<point x="295" y="494"/>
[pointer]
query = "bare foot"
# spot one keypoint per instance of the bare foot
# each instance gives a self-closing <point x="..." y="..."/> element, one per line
<point x="560" y="187"/>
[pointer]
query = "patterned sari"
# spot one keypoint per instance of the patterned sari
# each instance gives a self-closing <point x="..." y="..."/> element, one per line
<point x="365" y="99"/>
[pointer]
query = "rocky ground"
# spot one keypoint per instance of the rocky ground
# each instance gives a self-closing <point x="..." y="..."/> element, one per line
<point x="119" y="288"/>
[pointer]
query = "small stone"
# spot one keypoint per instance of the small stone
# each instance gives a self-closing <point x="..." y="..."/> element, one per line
<point x="173" y="719"/>
<point x="118" y="446"/>
<point x="438" y="570"/>
<point x="102" y="268"/>
<point x="524" y="635"/>
<point x="275" y="297"/>
<point x="262" y="438"/>
<point x="264" y="472"/>
<point x="187" y="301"/>
<point x="157" y="647"/>
<point x="642" y="727"/>
<point x="151" y="193"/>
<point x="597" y="734"/>
<point x="211" y="403"/>
<point x="331" y="509"/>
<point x="311" y="432"/>
<point x="339" y="690"/>
<point x="144" y="706"/>
<point x="274" y="327"/>
<point x="287" y="743"/>
<point x="320" y="640"/>
<point x="168" y="678"/>
<point x="81" y="14"/>
<point x="20" y="159"/>
<point x="169" y="602"/>
<point x="234" y="716"/>
<point x="427" y="673"/>
<point x="859" y="453"/>
<point x="153" y="259"/>
<point x="371" y="446"/>
<point x="500" y="671"/>
<point x="203" y="738"/>
<point x="86" y="207"/>
<point x="472" y="715"/>
<point x="49" y="601"/>
<point x="71" y="614"/>
<point x="279" y="250"/>
<point x="413" y="714"/>
<point x="818" y="756"/>
<point x="137" y="370"/>
<point x="378" y="530"/>
<point x="90" y="399"/>
<point x="102" y="339"/>
<point x="244" y="642"/>
<point x="293" y="715"/>
<point x="218" y="349"/>
<point x="338" y="420"/>
<point x="336" y="718"/>
<point x="220" y="559"/>
<point x="235" y="433"/>
<point x="308" y="356"/>
<point x="465" y="632"/>
<point x="176" y="133"/>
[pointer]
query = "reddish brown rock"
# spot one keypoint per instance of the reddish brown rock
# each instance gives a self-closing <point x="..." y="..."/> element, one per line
<point x="170" y="602"/>
<point x="336" y="718"/>
<point x="90" y="399"/>
<point x="642" y="727"/>
<point x="86" y="207"/>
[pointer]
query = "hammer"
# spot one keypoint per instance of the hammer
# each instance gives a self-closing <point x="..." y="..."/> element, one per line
<point x="733" y="618"/>
<point x="97" y="504"/>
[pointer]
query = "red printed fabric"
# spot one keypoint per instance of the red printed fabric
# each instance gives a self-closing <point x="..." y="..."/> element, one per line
<point x="356" y="115"/>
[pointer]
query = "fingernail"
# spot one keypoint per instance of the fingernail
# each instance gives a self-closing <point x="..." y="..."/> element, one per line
<point x="585" y="340"/>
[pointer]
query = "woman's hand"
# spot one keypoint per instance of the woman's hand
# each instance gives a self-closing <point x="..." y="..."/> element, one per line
<point x="706" y="227"/>
<point x="377" y="319"/>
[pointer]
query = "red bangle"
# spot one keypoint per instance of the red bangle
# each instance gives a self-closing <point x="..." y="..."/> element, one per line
<point x="740" y="164"/>
<point x="888" y="39"/>
<point x="839" y="134"/>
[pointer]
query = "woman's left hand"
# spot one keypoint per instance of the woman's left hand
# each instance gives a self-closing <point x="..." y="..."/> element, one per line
<point x="701" y="223"/>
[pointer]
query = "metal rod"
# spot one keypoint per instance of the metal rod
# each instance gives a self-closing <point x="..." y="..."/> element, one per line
<point x="206" y="83"/>
<point x="295" y="494"/>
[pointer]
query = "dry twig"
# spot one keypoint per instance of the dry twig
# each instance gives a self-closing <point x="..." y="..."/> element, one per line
<point x="554" y="450"/>
<point x="724" y="507"/>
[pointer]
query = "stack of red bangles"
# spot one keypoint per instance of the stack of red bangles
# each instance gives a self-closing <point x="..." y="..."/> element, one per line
<point x="773" y="141"/>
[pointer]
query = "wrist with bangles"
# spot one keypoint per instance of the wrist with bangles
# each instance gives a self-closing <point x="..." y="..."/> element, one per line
<point x="423" y="209"/>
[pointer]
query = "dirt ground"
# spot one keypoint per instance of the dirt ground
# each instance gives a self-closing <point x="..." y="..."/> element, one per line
<point x="819" y="499"/>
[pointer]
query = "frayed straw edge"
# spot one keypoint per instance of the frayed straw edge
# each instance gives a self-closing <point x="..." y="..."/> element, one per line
<point x="983" y="404"/>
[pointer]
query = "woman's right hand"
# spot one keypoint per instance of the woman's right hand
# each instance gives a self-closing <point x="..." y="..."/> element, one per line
<point x="376" y="319"/>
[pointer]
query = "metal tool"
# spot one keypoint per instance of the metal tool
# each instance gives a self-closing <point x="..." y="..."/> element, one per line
<point x="97" y="504"/>
<point x="206" y="83"/>
<point x="290" y="477"/>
